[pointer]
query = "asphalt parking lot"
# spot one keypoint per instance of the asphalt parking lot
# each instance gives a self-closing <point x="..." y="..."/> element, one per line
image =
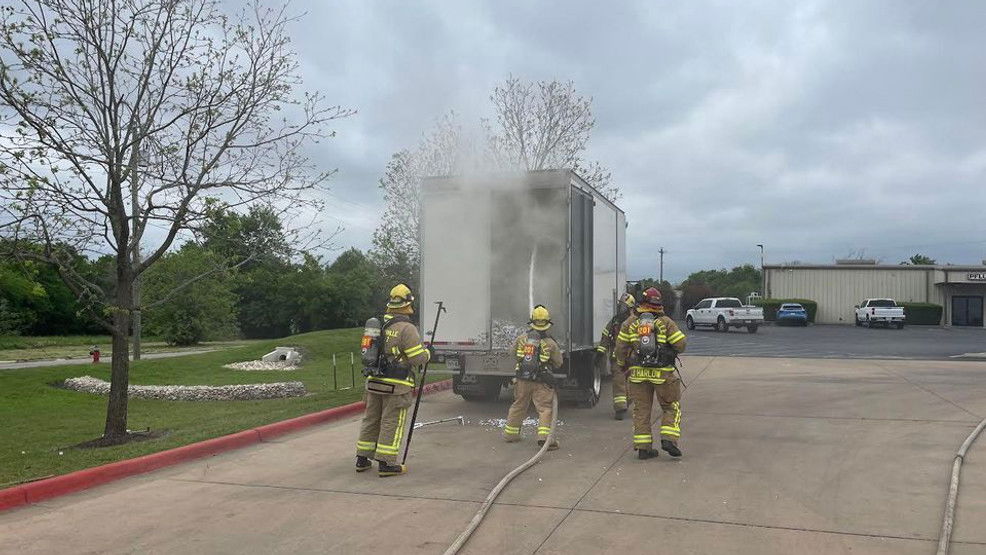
<point x="835" y="341"/>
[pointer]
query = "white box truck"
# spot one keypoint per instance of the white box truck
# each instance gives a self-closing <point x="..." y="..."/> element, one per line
<point x="493" y="246"/>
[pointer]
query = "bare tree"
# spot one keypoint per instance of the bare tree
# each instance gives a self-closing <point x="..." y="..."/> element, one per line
<point x="442" y="151"/>
<point x="544" y="125"/>
<point x="126" y="116"/>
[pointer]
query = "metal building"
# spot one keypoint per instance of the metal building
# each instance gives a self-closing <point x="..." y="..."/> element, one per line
<point x="838" y="288"/>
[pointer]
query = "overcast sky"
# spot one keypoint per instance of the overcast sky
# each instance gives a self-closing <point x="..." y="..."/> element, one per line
<point x="816" y="128"/>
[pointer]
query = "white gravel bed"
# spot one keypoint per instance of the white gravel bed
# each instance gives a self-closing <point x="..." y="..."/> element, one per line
<point x="244" y="392"/>
<point x="260" y="365"/>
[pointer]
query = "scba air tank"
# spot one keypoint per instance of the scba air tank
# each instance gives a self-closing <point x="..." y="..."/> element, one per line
<point x="370" y="345"/>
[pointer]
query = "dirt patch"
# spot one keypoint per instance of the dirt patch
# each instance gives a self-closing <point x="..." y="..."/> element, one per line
<point x="130" y="437"/>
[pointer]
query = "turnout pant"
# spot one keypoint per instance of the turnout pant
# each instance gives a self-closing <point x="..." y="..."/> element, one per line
<point x="382" y="430"/>
<point x="619" y="389"/>
<point x="526" y="392"/>
<point x="669" y="397"/>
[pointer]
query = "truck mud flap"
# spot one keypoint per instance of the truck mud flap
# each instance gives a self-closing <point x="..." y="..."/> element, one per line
<point x="584" y="384"/>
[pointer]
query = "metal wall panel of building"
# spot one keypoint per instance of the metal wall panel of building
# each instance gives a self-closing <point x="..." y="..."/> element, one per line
<point x="838" y="290"/>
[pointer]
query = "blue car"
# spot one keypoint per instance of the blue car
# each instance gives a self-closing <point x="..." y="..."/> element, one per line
<point x="792" y="313"/>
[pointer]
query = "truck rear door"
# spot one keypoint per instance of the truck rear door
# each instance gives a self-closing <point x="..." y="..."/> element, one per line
<point x="455" y="263"/>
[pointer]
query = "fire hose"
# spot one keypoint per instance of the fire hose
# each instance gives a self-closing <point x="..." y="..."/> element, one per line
<point x="953" y="491"/>
<point x="485" y="507"/>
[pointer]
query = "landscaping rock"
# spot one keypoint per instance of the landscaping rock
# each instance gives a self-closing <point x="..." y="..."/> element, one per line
<point x="243" y="392"/>
<point x="257" y="365"/>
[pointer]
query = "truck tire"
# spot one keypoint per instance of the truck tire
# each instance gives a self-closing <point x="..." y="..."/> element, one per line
<point x="721" y="325"/>
<point x="751" y="329"/>
<point x="689" y="323"/>
<point x="900" y="325"/>
<point x="858" y="323"/>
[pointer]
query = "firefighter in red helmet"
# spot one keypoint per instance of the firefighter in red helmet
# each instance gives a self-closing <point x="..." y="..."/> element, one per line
<point x="646" y="350"/>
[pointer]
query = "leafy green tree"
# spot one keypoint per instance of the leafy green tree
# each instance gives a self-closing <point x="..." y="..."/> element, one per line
<point x="738" y="282"/>
<point x="206" y="307"/>
<point x="918" y="260"/>
<point x="357" y="288"/>
<point x="255" y="237"/>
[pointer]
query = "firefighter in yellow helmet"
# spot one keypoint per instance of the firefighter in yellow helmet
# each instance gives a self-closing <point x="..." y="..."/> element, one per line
<point x="391" y="354"/>
<point x="538" y="355"/>
<point x="646" y="349"/>
<point x="606" y="353"/>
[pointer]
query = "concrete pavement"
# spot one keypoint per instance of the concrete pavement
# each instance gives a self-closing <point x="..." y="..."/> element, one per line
<point x="7" y="365"/>
<point x="781" y="456"/>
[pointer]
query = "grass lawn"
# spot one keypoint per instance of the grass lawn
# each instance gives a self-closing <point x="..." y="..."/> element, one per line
<point x="39" y="422"/>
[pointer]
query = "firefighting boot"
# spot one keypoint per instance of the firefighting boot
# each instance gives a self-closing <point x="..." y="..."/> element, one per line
<point x="644" y="454"/>
<point x="363" y="464"/>
<point x="670" y="447"/>
<point x="391" y="469"/>
<point x="620" y="414"/>
<point x="554" y="445"/>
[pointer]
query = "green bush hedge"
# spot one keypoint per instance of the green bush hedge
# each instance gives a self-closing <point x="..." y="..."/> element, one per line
<point x="770" y="307"/>
<point x="922" y="314"/>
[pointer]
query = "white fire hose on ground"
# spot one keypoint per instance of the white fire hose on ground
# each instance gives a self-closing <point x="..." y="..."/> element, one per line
<point x="485" y="507"/>
<point x="953" y="491"/>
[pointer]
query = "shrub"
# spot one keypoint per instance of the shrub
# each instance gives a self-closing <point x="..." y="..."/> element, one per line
<point x="770" y="307"/>
<point x="922" y="314"/>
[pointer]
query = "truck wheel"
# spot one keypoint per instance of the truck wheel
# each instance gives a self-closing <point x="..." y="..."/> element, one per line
<point x="751" y="329"/>
<point x="721" y="325"/>
<point x="689" y="323"/>
<point x="858" y="323"/>
<point x="900" y="325"/>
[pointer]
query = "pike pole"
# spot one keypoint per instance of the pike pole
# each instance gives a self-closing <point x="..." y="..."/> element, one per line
<point x="424" y="373"/>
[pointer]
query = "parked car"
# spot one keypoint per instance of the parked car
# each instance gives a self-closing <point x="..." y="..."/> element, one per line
<point x="724" y="313"/>
<point x="792" y="313"/>
<point x="880" y="311"/>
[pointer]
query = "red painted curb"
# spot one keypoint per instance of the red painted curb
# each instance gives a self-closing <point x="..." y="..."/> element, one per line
<point x="34" y="492"/>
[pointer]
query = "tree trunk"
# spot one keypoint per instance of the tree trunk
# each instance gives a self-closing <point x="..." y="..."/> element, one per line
<point x="116" y="410"/>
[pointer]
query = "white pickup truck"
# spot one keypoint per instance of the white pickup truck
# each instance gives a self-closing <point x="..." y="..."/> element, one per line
<point x="724" y="313"/>
<point x="880" y="311"/>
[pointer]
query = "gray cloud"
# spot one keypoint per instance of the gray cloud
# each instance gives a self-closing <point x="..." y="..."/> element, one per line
<point x="813" y="127"/>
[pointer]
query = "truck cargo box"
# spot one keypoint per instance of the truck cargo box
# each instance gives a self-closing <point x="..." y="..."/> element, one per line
<point x="493" y="246"/>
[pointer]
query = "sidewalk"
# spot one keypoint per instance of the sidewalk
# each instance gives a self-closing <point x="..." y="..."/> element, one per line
<point x="8" y="365"/>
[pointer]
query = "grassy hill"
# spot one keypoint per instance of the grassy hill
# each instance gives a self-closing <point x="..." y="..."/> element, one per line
<point x="41" y="422"/>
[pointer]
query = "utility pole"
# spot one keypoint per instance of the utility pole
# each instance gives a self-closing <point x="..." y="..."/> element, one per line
<point x="661" y="250"/>
<point x="763" y="274"/>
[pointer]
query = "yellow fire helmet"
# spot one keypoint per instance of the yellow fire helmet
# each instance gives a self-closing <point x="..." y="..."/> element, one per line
<point x="628" y="300"/>
<point x="540" y="318"/>
<point x="400" y="296"/>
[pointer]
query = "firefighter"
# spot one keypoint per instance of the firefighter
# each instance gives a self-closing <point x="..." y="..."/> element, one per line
<point x="390" y="381"/>
<point x="646" y="349"/>
<point x="606" y="351"/>
<point x="537" y="356"/>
